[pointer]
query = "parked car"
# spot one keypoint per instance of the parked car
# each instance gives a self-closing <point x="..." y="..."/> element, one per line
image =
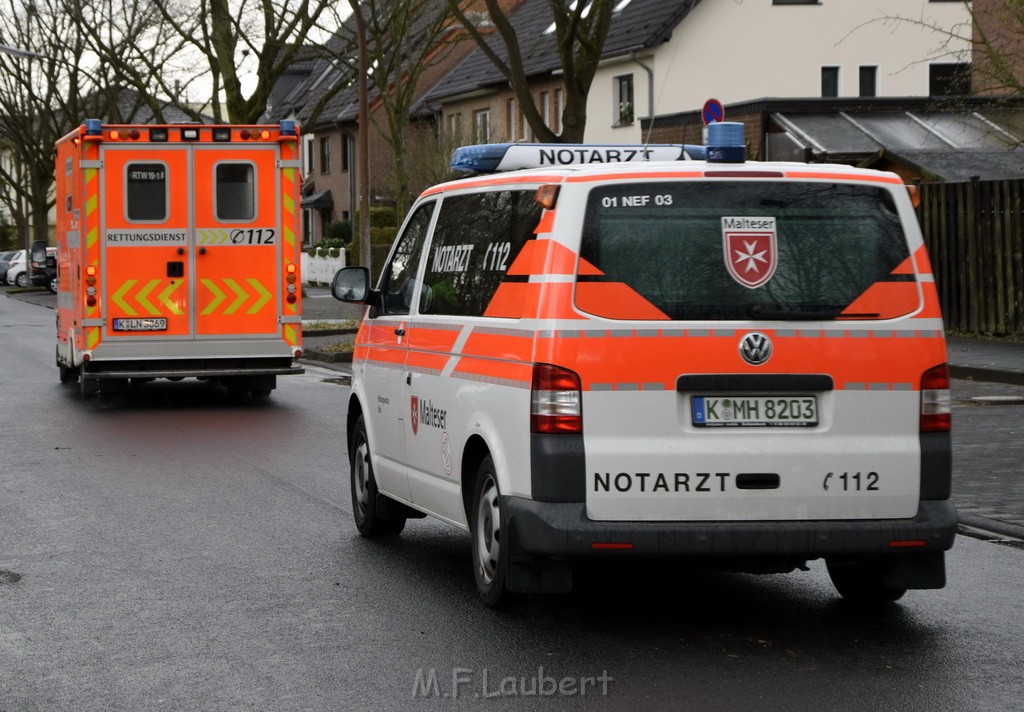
<point x="44" y="266"/>
<point x="16" y="270"/>
<point x="5" y="263"/>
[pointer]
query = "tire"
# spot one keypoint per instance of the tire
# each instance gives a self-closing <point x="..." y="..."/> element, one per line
<point x="861" y="581"/>
<point x="51" y="284"/>
<point x="364" y="490"/>
<point x="21" y="280"/>
<point x="487" y="529"/>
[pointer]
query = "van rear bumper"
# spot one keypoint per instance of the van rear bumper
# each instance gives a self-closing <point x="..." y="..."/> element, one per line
<point x="562" y="530"/>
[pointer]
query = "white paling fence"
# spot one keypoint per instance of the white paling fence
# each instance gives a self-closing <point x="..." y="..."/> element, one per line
<point x="320" y="268"/>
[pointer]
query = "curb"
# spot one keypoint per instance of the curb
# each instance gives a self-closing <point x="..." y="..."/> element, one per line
<point x="992" y="526"/>
<point x="992" y="375"/>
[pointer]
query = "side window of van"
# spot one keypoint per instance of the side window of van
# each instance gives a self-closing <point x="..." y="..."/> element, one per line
<point x="399" y="283"/>
<point x="476" y="239"/>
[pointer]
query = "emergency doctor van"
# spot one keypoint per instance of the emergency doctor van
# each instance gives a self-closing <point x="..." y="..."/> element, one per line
<point x="178" y="255"/>
<point x="611" y="356"/>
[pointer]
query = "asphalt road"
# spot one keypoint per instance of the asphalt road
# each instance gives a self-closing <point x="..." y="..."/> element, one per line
<point x="182" y="550"/>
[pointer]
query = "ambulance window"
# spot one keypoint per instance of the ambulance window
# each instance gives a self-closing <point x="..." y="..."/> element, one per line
<point x="476" y="239"/>
<point x="146" y="192"/>
<point x="744" y="250"/>
<point x="398" y="280"/>
<point x="236" y="192"/>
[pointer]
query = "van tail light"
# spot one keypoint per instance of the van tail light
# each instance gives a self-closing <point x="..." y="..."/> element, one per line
<point x="556" y="402"/>
<point x="935" y="401"/>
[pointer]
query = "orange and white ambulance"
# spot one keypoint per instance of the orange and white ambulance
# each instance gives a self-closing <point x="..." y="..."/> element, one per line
<point x="704" y="362"/>
<point x="178" y="255"/>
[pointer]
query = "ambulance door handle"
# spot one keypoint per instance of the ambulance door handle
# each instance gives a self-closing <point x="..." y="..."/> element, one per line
<point x="181" y="250"/>
<point x="408" y="378"/>
<point x="202" y="250"/>
<point x="399" y="331"/>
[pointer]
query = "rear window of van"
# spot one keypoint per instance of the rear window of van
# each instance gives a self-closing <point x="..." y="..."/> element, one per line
<point x="739" y="250"/>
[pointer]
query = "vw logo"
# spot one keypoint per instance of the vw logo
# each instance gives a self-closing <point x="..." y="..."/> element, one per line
<point x="756" y="348"/>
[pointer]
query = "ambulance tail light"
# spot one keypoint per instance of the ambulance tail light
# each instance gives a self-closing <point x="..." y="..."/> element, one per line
<point x="556" y="400"/>
<point x="935" y="400"/>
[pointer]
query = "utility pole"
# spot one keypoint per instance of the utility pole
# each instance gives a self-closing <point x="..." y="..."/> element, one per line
<point x="363" y="149"/>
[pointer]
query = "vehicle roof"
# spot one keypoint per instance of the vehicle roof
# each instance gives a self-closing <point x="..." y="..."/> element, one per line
<point x="669" y="169"/>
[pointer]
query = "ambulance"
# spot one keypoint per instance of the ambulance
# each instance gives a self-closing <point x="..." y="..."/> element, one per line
<point x="178" y="255"/>
<point x="706" y="363"/>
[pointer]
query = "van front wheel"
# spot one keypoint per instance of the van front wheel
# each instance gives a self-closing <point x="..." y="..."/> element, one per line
<point x="364" y="490"/>
<point x="487" y="528"/>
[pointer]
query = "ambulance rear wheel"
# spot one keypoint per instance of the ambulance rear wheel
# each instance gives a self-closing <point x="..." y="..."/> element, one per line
<point x="364" y="490"/>
<point x="68" y="374"/>
<point x="862" y="581"/>
<point x="487" y="529"/>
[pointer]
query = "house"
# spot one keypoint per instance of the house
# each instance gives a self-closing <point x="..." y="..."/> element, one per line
<point x="668" y="56"/>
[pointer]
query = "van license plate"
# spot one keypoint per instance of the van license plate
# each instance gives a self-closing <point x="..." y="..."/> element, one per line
<point x="757" y="411"/>
<point x="140" y="324"/>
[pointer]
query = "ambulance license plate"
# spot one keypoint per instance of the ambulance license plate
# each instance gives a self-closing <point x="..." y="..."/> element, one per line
<point x="756" y="411"/>
<point x="140" y="324"/>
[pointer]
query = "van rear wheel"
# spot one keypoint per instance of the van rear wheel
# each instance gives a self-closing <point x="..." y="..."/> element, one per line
<point x="364" y="490"/>
<point x="490" y="545"/>
<point x="861" y="581"/>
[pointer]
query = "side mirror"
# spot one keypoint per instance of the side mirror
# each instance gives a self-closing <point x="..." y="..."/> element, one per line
<point x="351" y="284"/>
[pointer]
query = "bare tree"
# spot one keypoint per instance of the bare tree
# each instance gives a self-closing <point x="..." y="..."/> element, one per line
<point x="405" y="39"/>
<point x="163" y="47"/>
<point x="44" y="93"/>
<point x="580" y="32"/>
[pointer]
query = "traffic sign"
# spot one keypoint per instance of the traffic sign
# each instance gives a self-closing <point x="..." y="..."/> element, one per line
<point x="713" y="112"/>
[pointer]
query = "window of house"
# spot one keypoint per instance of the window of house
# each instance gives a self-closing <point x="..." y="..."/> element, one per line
<point x="482" y="125"/>
<point x="510" y="119"/>
<point x="325" y="154"/>
<point x="307" y="148"/>
<point x="455" y="126"/>
<point x="346" y="155"/>
<point x="829" y="81"/>
<point x="622" y="97"/>
<point x="235" y="195"/>
<point x="868" y="81"/>
<point x="953" y="79"/>
<point x="545" y="108"/>
<point x="527" y="131"/>
<point x="146" y="192"/>
<point x="559" y="109"/>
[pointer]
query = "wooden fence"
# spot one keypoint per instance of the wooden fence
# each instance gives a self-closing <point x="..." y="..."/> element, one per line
<point x="975" y="235"/>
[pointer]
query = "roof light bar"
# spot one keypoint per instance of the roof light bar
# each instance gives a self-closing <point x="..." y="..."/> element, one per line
<point x="492" y="157"/>
<point x="93" y="127"/>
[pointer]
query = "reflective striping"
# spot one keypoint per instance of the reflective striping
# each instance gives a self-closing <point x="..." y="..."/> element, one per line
<point x="263" y="299"/>
<point x="213" y="237"/>
<point x="223" y="290"/>
<point x="138" y="302"/>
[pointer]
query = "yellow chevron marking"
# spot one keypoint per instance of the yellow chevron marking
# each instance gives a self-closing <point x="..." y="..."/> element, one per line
<point x="142" y="297"/>
<point x="289" y="236"/>
<point x="218" y="296"/>
<point x="289" y="334"/>
<point x="91" y="237"/>
<point x="242" y="296"/>
<point x="91" y="204"/>
<point x="93" y="338"/>
<point x="118" y="297"/>
<point x="289" y="205"/>
<point x="264" y="296"/>
<point x="165" y="298"/>
<point x="289" y="174"/>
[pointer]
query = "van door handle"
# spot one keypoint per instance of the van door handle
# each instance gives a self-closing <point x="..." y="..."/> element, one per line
<point x="408" y="378"/>
<point x="399" y="331"/>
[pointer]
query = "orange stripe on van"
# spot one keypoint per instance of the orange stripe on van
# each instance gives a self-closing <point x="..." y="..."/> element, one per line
<point x="857" y="177"/>
<point x="490" y="371"/>
<point x="433" y="339"/>
<point x="920" y="258"/>
<point x="509" y="300"/>
<point x="615" y="300"/>
<point x="543" y="257"/>
<point x="509" y="347"/>
<point x="426" y="361"/>
<point x="493" y="180"/>
<point x="547" y="222"/>
<point x="632" y="176"/>
<point x="886" y="299"/>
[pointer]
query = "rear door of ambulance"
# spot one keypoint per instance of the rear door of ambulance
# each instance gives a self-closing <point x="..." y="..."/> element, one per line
<point x="192" y="245"/>
<point x="757" y="350"/>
